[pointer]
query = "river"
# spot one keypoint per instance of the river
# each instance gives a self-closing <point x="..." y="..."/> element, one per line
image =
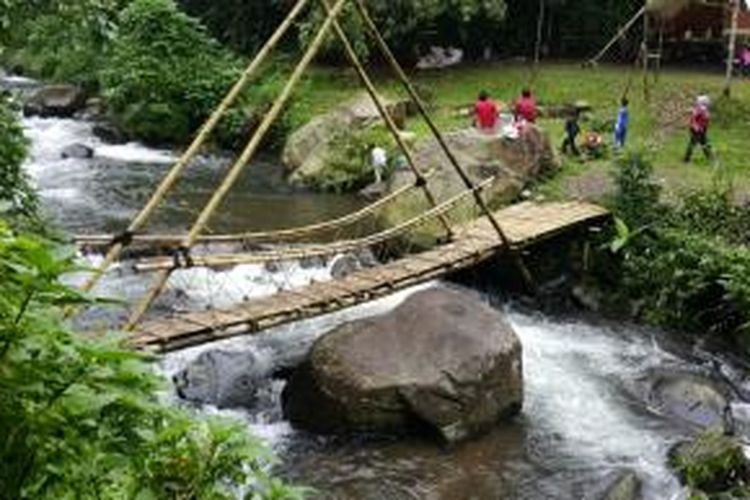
<point x="584" y="418"/>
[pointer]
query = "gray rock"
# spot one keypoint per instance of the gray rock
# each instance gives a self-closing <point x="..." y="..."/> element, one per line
<point x="344" y="265"/>
<point x="314" y="262"/>
<point x="622" y="485"/>
<point x="77" y="151"/>
<point x="109" y="133"/>
<point x="223" y="378"/>
<point x="93" y="109"/>
<point x="690" y="399"/>
<point x="587" y="297"/>
<point x="367" y="258"/>
<point x="55" y="100"/>
<point x="444" y="360"/>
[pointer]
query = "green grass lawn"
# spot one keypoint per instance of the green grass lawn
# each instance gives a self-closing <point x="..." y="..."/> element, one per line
<point x="658" y="126"/>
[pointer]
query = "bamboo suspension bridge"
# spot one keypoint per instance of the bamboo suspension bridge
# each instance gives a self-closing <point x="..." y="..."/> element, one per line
<point x="505" y="231"/>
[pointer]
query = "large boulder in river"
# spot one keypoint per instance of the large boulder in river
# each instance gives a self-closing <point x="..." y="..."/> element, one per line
<point x="55" y="100"/>
<point x="512" y="163"/>
<point x="306" y="149"/>
<point x="444" y="360"/>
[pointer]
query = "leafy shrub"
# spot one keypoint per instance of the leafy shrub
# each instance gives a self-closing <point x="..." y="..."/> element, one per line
<point x="684" y="265"/>
<point x="79" y="416"/>
<point x="165" y="74"/>
<point x="17" y="198"/>
<point x="637" y="198"/>
<point x="713" y="211"/>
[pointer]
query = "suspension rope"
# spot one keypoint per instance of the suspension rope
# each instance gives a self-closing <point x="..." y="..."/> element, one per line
<point x="409" y="87"/>
<point x="227" y="260"/>
<point x="282" y="235"/>
<point x="239" y="166"/>
<point x="119" y="243"/>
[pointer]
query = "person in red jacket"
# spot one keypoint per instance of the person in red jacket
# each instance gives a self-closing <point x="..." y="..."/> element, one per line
<point x="700" y="120"/>
<point x="526" y="109"/>
<point x="486" y="113"/>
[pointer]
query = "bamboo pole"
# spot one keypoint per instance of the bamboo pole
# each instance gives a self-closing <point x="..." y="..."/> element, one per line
<point x="732" y="47"/>
<point x="239" y="166"/>
<point x="372" y="91"/>
<point x="539" y="34"/>
<point x="594" y="60"/>
<point x="168" y="182"/>
<point x="409" y="87"/>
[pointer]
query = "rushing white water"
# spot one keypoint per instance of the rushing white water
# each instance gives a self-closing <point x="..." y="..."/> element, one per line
<point x="578" y="419"/>
<point x="575" y="375"/>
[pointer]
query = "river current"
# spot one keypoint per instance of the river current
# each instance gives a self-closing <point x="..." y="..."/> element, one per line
<point x="583" y="419"/>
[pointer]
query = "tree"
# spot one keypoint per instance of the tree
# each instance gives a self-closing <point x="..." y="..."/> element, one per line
<point x="58" y="40"/>
<point x="165" y="73"/>
<point x="409" y="26"/>
<point x="17" y="198"/>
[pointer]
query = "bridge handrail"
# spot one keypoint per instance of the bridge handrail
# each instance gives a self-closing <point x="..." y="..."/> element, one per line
<point x="280" y="235"/>
<point x="228" y="260"/>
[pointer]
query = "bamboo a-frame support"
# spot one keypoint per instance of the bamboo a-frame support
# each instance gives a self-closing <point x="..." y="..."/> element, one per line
<point x="194" y="235"/>
<point x="620" y="33"/>
<point x="239" y="165"/>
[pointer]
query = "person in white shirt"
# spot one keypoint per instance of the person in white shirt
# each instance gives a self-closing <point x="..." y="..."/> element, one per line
<point x="379" y="160"/>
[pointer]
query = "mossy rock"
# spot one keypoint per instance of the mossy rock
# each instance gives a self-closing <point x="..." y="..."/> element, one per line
<point x="712" y="464"/>
<point x="513" y="164"/>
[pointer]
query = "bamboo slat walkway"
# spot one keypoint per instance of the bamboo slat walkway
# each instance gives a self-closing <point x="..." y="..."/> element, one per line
<point x="524" y="224"/>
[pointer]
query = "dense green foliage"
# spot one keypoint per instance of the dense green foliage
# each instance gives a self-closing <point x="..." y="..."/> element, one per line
<point x="411" y="26"/>
<point x="59" y="40"/>
<point x="685" y="266"/>
<point x="17" y="198"/>
<point x="165" y="73"/>
<point x="79" y="416"/>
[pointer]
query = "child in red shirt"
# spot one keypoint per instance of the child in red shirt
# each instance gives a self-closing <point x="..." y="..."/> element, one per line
<point x="526" y="107"/>
<point x="486" y="113"/>
<point x="699" y="123"/>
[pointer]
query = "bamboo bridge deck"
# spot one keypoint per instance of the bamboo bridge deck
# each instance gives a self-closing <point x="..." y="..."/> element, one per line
<point x="524" y="224"/>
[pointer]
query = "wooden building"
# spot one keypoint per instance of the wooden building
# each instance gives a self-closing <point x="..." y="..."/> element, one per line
<point x="693" y="30"/>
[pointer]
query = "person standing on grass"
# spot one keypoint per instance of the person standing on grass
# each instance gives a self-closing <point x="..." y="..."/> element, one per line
<point x="486" y="113"/>
<point x="745" y="60"/>
<point x="700" y="121"/>
<point x="622" y="125"/>
<point x="526" y="110"/>
<point x="572" y="129"/>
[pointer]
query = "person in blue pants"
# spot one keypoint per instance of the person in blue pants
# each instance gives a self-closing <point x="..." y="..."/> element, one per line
<point x="623" y="122"/>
